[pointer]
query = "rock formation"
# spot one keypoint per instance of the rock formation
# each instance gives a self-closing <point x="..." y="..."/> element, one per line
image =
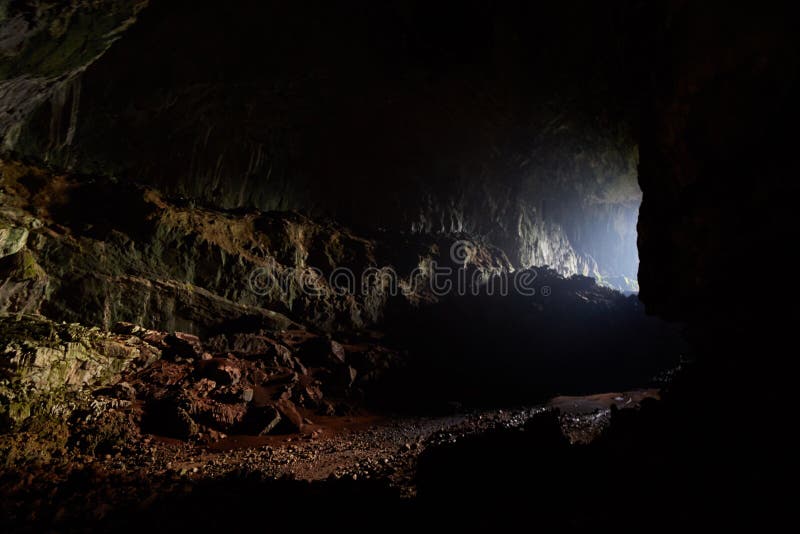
<point x="187" y="191"/>
<point x="459" y="145"/>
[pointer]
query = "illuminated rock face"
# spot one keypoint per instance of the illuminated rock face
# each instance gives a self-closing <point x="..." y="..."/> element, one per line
<point x="100" y="252"/>
<point x="466" y="122"/>
<point x="48" y="366"/>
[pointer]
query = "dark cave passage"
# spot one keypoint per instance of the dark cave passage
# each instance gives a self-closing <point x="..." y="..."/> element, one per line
<point x="369" y="264"/>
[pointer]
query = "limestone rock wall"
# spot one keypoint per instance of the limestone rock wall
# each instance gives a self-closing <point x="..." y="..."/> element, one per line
<point x="510" y="121"/>
<point x="100" y="253"/>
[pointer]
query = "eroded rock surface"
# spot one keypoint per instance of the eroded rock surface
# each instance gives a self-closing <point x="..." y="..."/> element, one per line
<point x="44" y="48"/>
<point x="488" y="136"/>
<point x="47" y="367"/>
<point x="101" y="252"/>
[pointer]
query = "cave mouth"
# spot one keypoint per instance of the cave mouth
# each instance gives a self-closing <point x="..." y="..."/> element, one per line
<point x="229" y="230"/>
<point x="613" y="241"/>
<point x="231" y="251"/>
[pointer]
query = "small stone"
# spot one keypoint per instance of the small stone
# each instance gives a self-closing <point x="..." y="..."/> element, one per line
<point x="338" y="351"/>
<point x="289" y="411"/>
<point x="322" y="351"/>
<point x="185" y="427"/>
<point x="351" y="375"/>
<point x="125" y="328"/>
<point x="221" y="370"/>
<point x="274" y="418"/>
<point x="247" y="394"/>
<point x="327" y="408"/>
<point x="125" y="391"/>
<point x="183" y="345"/>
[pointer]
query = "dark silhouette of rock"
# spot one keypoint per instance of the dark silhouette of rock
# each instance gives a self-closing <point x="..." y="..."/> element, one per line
<point x="289" y="413"/>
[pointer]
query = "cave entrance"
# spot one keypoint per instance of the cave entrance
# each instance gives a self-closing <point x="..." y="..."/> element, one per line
<point x="603" y="236"/>
<point x="615" y="241"/>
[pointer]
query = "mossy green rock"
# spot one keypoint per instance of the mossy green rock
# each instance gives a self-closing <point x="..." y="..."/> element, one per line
<point x="12" y="239"/>
<point x="47" y="367"/>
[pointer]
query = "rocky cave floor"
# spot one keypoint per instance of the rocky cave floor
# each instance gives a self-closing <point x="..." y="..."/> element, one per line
<point x="195" y="391"/>
<point x="186" y="416"/>
<point x="82" y="489"/>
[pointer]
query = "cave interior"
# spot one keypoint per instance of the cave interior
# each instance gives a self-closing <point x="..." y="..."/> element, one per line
<point x="376" y="265"/>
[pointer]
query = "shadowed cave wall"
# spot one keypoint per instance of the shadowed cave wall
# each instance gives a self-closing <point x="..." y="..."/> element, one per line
<point x="523" y="123"/>
<point x="511" y="121"/>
